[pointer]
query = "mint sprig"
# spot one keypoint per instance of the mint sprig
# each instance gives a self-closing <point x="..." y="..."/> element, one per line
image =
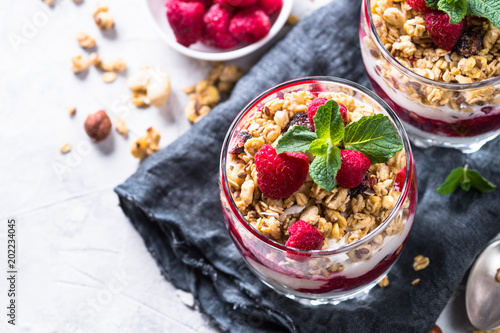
<point x="374" y="136"/>
<point x="466" y="179"/>
<point x="458" y="9"/>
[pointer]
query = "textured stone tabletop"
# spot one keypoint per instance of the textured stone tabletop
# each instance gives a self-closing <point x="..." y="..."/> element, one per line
<point x="81" y="265"/>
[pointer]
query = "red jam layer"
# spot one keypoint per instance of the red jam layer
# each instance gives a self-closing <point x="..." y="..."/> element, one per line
<point x="461" y="128"/>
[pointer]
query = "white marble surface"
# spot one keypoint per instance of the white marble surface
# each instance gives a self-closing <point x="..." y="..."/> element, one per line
<point x="82" y="267"/>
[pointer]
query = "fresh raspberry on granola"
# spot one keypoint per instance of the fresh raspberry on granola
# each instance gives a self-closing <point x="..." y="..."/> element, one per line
<point x="250" y="24"/>
<point x="271" y="7"/>
<point x="279" y="176"/>
<point x="304" y="236"/>
<point x="237" y="3"/>
<point x="353" y="168"/>
<point x="186" y="20"/>
<point x="217" y="27"/>
<point x="420" y="6"/>
<point x="444" y="34"/>
<point x="316" y="103"/>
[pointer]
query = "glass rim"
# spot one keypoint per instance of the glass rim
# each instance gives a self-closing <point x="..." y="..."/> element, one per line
<point x="305" y="80"/>
<point x="408" y="72"/>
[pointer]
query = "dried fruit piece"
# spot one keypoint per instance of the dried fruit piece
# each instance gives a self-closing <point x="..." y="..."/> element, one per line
<point x="239" y="145"/>
<point x="103" y="18"/>
<point x="98" y="126"/>
<point x="353" y="168"/>
<point x="149" y="87"/>
<point x="304" y="236"/>
<point x="121" y="126"/>
<point x="444" y="34"/>
<point x="79" y="64"/>
<point x="217" y="27"/>
<point x="470" y="43"/>
<point x="146" y="145"/>
<point x="300" y="119"/>
<point x="250" y="25"/>
<point x="186" y="20"/>
<point x="66" y="148"/>
<point x="280" y="175"/>
<point x="85" y="40"/>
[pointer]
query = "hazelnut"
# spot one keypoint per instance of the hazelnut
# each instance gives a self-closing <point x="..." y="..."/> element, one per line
<point x="98" y="126"/>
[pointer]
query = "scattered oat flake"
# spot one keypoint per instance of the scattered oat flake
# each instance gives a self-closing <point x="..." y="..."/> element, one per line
<point x="49" y="2"/>
<point x="103" y="18"/>
<point x="292" y="20"/>
<point x="498" y="275"/>
<point x="121" y="126"/>
<point x="71" y="110"/>
<point x="415" y="282"/>
<point x="109" y="77"/>
<point x="66" y="148"/>
<point x="420" y="262"/>
<point x="384" y="282"/>
<point x="189" y="90"/>
<point x="85" y="40"/>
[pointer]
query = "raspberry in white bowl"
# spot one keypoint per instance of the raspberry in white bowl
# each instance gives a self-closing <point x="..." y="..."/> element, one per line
<point x="218" y="30"/>
<point x="317" y="203"/>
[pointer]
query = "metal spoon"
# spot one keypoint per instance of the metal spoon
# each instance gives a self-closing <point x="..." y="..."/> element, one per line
<point x="482" y="297"/>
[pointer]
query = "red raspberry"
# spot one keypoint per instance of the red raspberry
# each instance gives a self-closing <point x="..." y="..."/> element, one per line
<point x="279" y="176"/>
<point x="316" y="103"/>
<point x="186" y="20"/>
<point x="304" y="236"/>
<point x="216" y="27"/>
<point x="206" y="3"/>
<point x="419" y="5"/>
<point x="250" y="25"/>
<point x="271" y="7"/>
<point x="353" y="168"/>
<point x="444" y="34"/>
<point x="400" y="180"/>
<point x="237" y="3"/>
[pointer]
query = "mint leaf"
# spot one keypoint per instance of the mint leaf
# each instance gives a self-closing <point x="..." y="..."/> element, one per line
<point x="323" y="169"/>
<point x="456" y="9"/>
<point x="432" y="3"/>
<point x="375" y="136"/>
<point x="480" y="183"/>
<point x="322" y="120"/>
<point x="466" y="179"/>
<point x="328" y="122"/>
<point x="452" y="181"/>
<point x="485" y="8"/>
<point x="319" y="147"/>
<point x="296" y="139"/>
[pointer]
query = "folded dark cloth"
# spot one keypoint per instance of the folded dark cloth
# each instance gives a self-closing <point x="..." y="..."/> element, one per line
<point x="173" y="202"/>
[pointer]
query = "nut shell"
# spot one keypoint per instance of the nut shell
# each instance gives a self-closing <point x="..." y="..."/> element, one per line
<point x="98" y="126"/>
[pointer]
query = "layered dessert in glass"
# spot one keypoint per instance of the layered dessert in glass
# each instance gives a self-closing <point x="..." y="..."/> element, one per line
<point x="444" y="85"/>
<point x="312" y="244"/>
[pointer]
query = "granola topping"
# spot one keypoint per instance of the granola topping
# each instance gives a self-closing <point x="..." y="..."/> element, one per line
<point x="341" y="216"/>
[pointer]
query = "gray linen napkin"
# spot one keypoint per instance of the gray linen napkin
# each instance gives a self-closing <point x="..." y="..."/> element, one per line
<point x="173" y="202"/>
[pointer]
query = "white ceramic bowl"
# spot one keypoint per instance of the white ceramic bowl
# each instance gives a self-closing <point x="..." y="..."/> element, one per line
<point x="157" y="12"/>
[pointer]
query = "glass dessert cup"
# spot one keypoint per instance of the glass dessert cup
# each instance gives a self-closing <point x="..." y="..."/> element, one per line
<point x="435" y="113"/>
<point x="321" y="276"/>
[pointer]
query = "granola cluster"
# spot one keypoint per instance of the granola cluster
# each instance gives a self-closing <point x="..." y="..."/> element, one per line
<point x="342" y="215"/>
<point x="404" y="34"/>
